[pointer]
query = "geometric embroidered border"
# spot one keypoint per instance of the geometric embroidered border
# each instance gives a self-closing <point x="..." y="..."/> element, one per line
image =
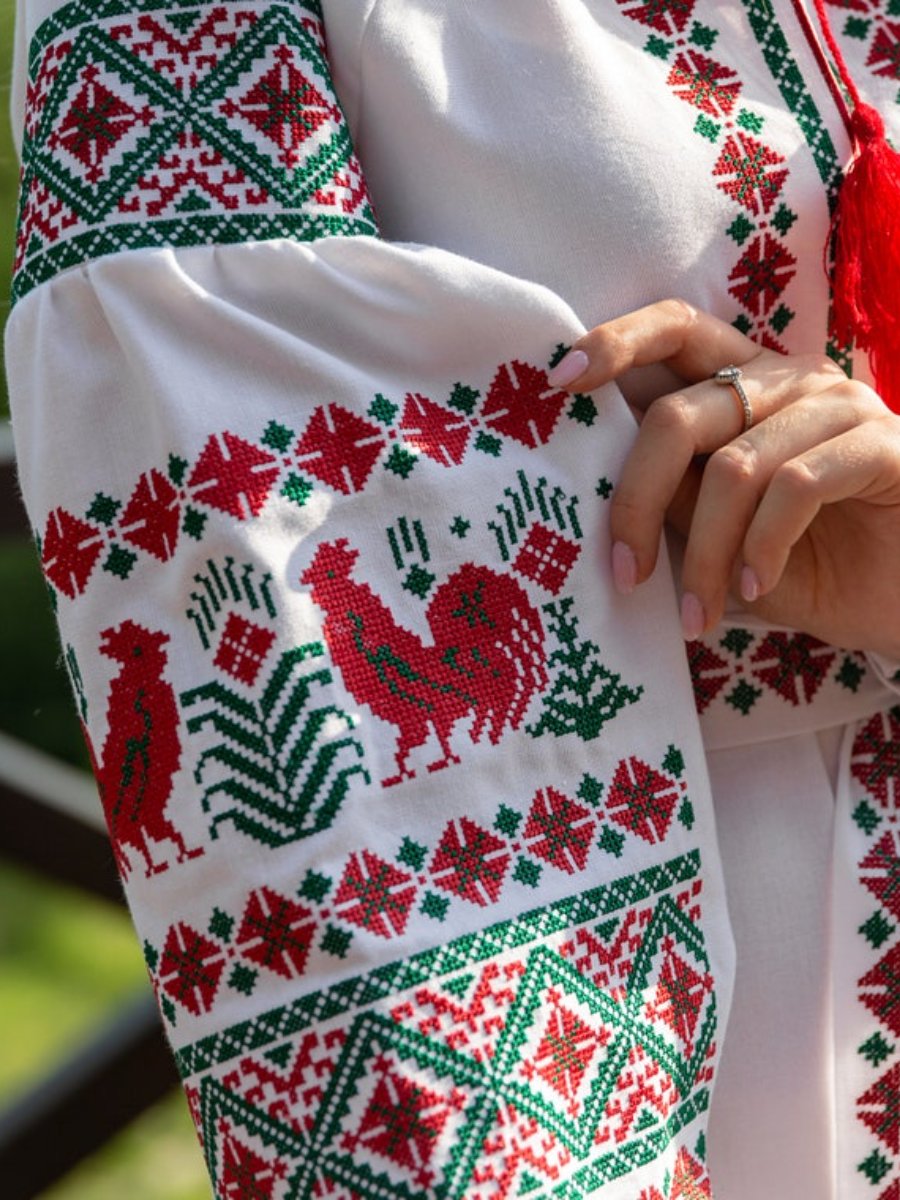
<point x="875" y="771"/>
<point x="178" y="124"/>
<point x="742" y="667"/>
<point x="751" y="173"/>
<point x="295" y="931"/>
<point x="418" y="969"/>
<point x="550" y="1054"/>
<point x="337" y="446"/>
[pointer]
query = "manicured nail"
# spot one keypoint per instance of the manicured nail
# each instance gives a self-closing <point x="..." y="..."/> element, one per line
<point x="624" y="568"/>
<point x="693" y="618"/>
<point x="568" y="369"/>
<point x="750" y="585"/>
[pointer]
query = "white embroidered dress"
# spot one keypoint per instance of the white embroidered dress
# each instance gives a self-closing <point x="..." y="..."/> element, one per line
<point x="412" y="809"/>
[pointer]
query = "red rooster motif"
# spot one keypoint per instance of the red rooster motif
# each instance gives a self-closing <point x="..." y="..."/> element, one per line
<point x="487" y="659"/>
<point x="142" y="752"/>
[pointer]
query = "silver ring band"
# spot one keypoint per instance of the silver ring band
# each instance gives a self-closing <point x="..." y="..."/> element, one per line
<point x="731" y="377"/>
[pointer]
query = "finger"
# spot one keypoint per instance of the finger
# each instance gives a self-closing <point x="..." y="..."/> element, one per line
<point x="735" y="480"/>
<point x="692" y="342"/>
<point x="858" y="464"/>
<point x="697" y="421"/>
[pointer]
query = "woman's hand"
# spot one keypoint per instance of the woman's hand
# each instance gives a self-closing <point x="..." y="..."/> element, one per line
<point x="799" y="516"/>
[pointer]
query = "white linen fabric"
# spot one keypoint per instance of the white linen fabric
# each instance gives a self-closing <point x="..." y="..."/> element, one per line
<point x="432" y="910"/>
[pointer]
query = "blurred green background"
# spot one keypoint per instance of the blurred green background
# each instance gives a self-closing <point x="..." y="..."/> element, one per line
<point x="67" y="962"/>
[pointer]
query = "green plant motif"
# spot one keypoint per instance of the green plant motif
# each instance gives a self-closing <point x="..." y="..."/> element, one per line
<point x="279" y="761"/>
<point x="583" y="694"/>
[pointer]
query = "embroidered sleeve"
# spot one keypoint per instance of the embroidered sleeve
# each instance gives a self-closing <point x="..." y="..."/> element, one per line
<point x="179" y="124"/>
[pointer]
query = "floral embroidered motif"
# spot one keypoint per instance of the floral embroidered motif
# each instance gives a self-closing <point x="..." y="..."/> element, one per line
<point x="181" y="125"/>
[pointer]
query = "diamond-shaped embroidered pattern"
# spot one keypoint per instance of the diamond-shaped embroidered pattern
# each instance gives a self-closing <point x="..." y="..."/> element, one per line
<point x="176" y="129"/>
<point x="243" y="648"/>
<point x="493" y="1065"/>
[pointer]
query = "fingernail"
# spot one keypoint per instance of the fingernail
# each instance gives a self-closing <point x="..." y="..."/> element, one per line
<point x="568" y="369"/>
<point x="624" y="568"/>
<point x="750" y="585"/>
<point x="693" y="618"/>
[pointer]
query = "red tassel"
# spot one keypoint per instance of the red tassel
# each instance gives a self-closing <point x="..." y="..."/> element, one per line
<point x="866" y="250"/>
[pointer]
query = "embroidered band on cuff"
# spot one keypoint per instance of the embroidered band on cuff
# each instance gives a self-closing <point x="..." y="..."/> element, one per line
<point x="731" y="376"/>
<point x="245" y="142"/>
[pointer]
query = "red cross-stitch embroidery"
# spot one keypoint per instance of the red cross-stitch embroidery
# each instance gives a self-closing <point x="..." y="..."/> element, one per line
<point x="884" y="56"/>
<point x="681" y="995"/>
<point x="546" y="558"/>
<point x="184" y="56"/>
<point x="704" y="83"/>
<point x="747" y="175"/>
<point x="880" y="871"/>
<point x="434" y="430"/>
<point x="521" y="404"/>
<point x="473" y="1024"/>
<point x="338" y="447"/>
<point x="750" y="172"/>
<point x="567" y="1048"/>
<point x="643" y="1088"/>
<point x="247" y="1175"/>
<point x="875" y="762"/>
<point x="403" y="1122"/>
<point x="234" y="476"/>
<point x="642" y="799"/>
<point x="243" y="648"/>
<point x="668" y="16"/>
<point x="375" y="895"/>
<point x="95" y="122"/>
<point x="276" y="933"/>
<point x="142" y="752"/>
<point x="880" y="1108"/>
<point x="486" y="660"/>
<point x="761" y="274"/>
<point x="470" y="862"/>
<point x="741" y="667"/>
<point x="875" y="770"/>
<point x="559" y="830"/>
<point x="285" y="107"/>
<point x="879" y="990"/>
<point x="152" y="516"/>
<point x="291" y="1089"/>
<point x="69" y="551"/>
<point x="191" y="968"/>
<point x="220" y="129"/>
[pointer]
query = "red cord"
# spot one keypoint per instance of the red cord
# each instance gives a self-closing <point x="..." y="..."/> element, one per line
<point x="812" y="36"/>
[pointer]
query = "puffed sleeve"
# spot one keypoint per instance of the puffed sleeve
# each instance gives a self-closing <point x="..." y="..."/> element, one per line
<point x="410" y="809"/>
